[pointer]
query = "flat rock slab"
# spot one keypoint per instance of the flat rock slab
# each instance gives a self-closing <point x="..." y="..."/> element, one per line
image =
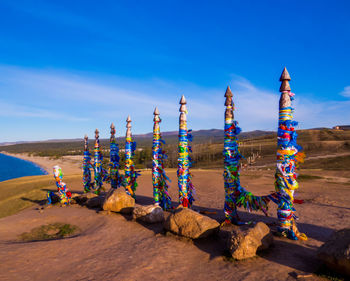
<point x="245" y="241"/>
<point x="335" y="252"/>
<point x="149" y="214"/>
<point x="188" y="223"/>
<point x="117" y="200"/>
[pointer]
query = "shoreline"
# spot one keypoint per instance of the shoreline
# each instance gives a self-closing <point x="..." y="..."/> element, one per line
<point x="33" y="163"/>
<point x="69" y="165"/>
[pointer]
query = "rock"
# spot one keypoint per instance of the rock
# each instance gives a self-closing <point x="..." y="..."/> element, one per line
<point x="188" y="223"/>
<point x="149" y="214"/>
<point x="243" y="242"/>
<point x="335" y="252"/>
<point x="117" y="200"/>
<point x="95" y="202"/>
<point x="82" y="199"/>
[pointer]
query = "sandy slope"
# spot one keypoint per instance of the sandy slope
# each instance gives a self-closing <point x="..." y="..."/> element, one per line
<point x="113" y="248"/>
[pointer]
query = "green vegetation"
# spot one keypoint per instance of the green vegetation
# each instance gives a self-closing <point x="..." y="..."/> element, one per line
<point x="207" y="148"/>
<point x="18" y="194"/>
<point x="50" y="231"/>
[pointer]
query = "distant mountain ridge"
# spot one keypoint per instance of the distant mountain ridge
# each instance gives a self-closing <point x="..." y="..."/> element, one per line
<point x="211" y="133"/>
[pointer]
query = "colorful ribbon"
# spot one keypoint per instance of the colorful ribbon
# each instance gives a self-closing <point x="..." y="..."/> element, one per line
<point x="288" y="156"/>
<point x="86" y="168"/>
<point x="159" y="178"/>
<point x="62" y="189"/>
<point x="114" y="175"/>
<point x="130" y="175"/>
<point x="186" y="188"/>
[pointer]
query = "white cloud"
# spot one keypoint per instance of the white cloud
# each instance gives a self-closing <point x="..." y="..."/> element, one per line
<point x="15" y="110"/>
<point x="346" y="92"/>
<point x="74" y="98"/>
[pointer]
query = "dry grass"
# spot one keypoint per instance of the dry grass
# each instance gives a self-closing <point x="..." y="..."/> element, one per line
<point x="21" y="193"/>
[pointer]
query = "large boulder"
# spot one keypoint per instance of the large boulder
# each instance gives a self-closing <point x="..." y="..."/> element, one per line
<point x="243" y="242"/>
<point x="149" y="214"/>
<point x="190" y="224"/>
<point x="117" y="200"/>
<point x="335" y="253"/>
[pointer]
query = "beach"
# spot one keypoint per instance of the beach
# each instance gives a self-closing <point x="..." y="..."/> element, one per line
<point x="69" y="164"/>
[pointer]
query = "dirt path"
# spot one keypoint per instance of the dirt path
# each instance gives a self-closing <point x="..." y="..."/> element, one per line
<point x="113" y="248"/>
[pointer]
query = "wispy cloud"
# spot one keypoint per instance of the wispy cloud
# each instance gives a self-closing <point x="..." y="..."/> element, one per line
<point x="16" y="110"/>
<point x="346" y="92"/>
<point x="84" y="101"/>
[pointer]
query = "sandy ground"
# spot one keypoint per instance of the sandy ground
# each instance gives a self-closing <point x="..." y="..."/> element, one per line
<point x="112" y="247"/>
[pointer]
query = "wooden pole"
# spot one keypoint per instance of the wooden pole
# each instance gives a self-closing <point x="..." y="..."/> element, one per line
<point x="97" y="164"/>
<point x="184" y="176"/>
<point x="129" y="174"/>
<point x="86" y="166"/>
<point x="159" y="178"/>
<point x="114" y="160"/>
<point x="287" y="151"/>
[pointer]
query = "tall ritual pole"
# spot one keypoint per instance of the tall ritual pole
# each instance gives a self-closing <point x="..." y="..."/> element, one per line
<point x="159" y="178"/>
<point x="231" y="161"/>
<point x="86" y="166"/>
<point x="235" y="194"/>
<point x="114" y="160"/>
<point x="97" y="164"/>
<point x="287" y="157"/>
<point x="129" y="175"/>
<point x="186" y="188"/>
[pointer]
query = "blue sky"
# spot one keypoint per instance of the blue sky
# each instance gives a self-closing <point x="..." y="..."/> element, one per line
<point x="67" y="67"/>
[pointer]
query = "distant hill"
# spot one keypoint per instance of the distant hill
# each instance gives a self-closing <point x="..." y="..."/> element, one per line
<point x="212" y="133"/>
<point x="207" y="147"/>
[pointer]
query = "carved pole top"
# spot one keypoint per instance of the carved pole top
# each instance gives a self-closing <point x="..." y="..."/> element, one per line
<point x="285" y="100"/>
<point x="285" y="78"/>
<point x="183" y="111"/>
<point x="285" y="75"/>
<point x="112" y="129"/>
<point x="183" y="100"/>
<point x="228" y="96"/>
<point x="228" y="92"/>
<point x="86" y="139"/>
<point x="229" y="105"/>
<point x="156" y="111"/>
<point x="97" y="134"/>
<point x="128" y="127"/>
<point x="112" y="132"/>
<point x="183" y="108"/>
<point x="156" y="115"/>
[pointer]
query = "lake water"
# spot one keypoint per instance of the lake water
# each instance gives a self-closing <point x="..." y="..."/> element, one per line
<point x="12" y="167"/>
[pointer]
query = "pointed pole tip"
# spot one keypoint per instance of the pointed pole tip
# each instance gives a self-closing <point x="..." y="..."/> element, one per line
<point x="183" y="100"/>
<point x="228" y="92"/>
<point x="156" y="111"/>
<point x="285" y="75"/>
